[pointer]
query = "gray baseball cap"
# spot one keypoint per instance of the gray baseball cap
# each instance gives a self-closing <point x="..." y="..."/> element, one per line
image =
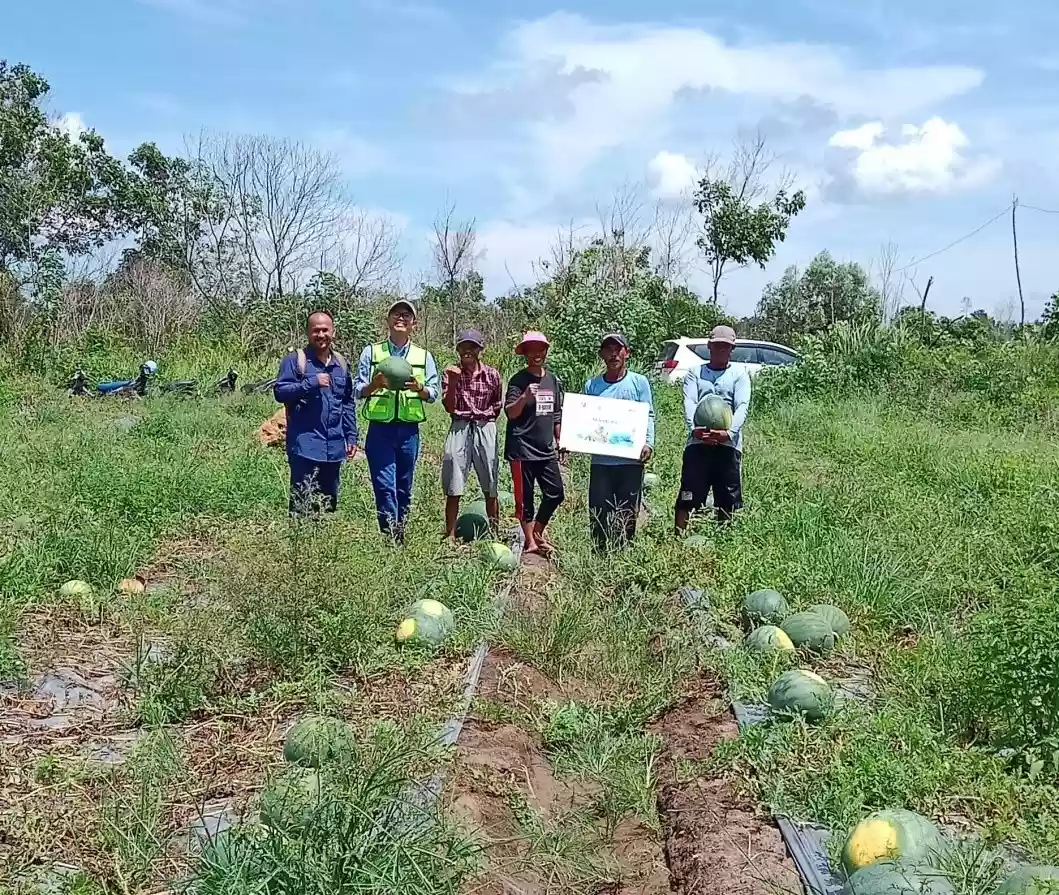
<point x="472" y="336"/>
<point x="402" y="303"/>
<point x="724" y="334"/>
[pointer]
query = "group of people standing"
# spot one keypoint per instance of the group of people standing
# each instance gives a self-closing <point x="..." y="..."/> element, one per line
<point x="320" y="391"/>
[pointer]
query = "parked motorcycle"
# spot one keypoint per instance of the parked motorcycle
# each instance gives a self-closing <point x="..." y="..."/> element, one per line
<point x="80" y="385"/>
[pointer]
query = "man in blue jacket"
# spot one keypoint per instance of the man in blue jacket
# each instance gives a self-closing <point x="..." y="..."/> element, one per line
<point x="316" y="388"/>
<point x="615" y="485"/>
<point x="713" y="457"/>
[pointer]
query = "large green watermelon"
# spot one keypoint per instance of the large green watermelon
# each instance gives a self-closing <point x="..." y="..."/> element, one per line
<point x="497" y="556"/>
<point x="809" y="631"/>
<point x="768" y="639"/>
<point x="428" y="623"/>
<point x="799" y="692"/>
<point x="291" y="801"/>
<point x="1031" y="880"/>
<point x="315" y="742"/>
<point x="397" y="372"/>
<point x="838" y="619"/>
<point x="473" y="523"/>
<point x="894" y="835"/>
<point x="897" y="878"/>
<point x="764" y="607"/>
<point x="651" y="481"/>
<point x="713" y="412"/>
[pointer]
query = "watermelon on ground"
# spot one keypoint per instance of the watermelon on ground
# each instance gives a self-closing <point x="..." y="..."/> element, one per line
<point x="497" y="556"/>
<point x="473" y="523"/>
<point x="897" y="878"/>
<point x="315" y="742"/>
<point x="764" y="607"/>
<point x="809" y="631"/>
<point x="428" y="623"/>
<point x="291" y="801"/>
<point x="713" y="412"/>
<point x="651" y="481"/>
<point x="768" y="639"/>
<point x="1032" y="879"/>
<point x="397" y="371"/>
<point x="801" y="693"/>
<point x="894" y="835"/>
<point x="75" y="590"/>
<point x="838" y="619"/>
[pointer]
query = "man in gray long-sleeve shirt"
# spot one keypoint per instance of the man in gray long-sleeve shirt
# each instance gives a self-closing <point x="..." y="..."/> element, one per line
<point x="712" y="457"/>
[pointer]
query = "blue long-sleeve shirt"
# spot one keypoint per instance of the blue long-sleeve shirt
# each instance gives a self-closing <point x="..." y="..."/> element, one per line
<point x="364" y="371"/>
<point x="732" y="383"/>
<point x="631" y="387"/>
<point x="321" y="422"/>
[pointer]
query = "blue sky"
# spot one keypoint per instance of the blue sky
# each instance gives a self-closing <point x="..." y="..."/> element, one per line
<point x="906" y="121"/>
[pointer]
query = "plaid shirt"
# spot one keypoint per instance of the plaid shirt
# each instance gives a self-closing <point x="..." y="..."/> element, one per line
<point x="479" y="396"/>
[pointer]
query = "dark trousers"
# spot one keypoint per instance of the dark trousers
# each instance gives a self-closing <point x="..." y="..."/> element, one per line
<point x="614" y="495"/>
<point x="392" y="450"/>
<point x="528" y="474"/>
<point x="313" y="486"/>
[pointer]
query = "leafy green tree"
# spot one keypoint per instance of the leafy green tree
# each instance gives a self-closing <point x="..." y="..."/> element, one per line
<point x="1050" y="319"/>
<point x="812" y="301"/>
<point x="57" y="194"/>
<point x="739" y="225"/>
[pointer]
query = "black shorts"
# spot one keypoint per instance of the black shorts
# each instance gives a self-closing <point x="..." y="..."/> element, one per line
<point x="706" y="467"/>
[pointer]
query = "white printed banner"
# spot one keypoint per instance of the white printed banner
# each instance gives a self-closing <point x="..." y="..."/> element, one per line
<point x="608" y="426"/>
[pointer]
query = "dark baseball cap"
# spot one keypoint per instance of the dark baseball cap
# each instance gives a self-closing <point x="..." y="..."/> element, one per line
<point x="614" y="337"/>
<point x="472" y="336"/>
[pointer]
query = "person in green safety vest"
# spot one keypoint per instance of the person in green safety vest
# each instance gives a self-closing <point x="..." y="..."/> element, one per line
<point x="392" y="443"/>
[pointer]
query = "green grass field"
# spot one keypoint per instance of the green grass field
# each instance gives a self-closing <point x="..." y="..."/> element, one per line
<point x="933" y="528"/>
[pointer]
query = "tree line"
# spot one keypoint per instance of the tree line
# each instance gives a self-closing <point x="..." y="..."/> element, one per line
<point x="243" y="233"/>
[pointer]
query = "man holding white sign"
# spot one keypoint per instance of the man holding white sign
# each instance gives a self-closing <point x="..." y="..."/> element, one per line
<point x="615" y="485"/>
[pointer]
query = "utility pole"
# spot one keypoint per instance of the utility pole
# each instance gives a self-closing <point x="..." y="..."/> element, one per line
<point x="1018" y="274"/>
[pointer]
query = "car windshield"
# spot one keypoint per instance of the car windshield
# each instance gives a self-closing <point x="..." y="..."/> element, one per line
<point x="741" y="354"/>
<point x="668" y="352"/>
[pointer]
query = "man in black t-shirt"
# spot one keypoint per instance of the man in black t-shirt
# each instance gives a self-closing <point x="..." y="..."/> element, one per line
<point x="534" y="405"/>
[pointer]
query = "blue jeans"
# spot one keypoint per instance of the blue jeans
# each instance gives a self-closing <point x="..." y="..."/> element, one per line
<point x="392" y="450"/>
<point x="311" y="484"/>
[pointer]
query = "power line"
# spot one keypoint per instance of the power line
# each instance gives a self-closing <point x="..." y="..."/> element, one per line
<point x="956" y="242"/>
<point x="1042" y="210"/>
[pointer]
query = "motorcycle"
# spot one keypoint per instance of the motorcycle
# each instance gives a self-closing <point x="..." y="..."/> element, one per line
<point x="80" y="386"/>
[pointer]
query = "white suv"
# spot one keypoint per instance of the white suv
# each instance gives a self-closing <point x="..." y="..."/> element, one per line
<point x="678" y="356"/>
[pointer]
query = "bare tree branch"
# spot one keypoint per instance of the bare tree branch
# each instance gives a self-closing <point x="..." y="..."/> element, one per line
<point x="454" y="256"/>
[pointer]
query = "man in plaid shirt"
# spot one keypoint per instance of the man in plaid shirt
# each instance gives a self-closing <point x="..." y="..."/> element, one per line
<point x="472" y="394"/>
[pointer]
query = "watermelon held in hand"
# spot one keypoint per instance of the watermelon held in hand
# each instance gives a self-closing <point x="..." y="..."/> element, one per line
<point x="801" y="693"/>
<point x="713" y="412"/>
<point x="497" y="556"/>
<point x="892" y="835"/>
<point x="764" y="607"/>
<point x="768" y="639"/>
<point x="807" y="630"/>
<point x="397" y="372"/>
<point x="315" y="742"/>
<point x="835" y="617"/>
<point x="897" y="878"/>
<point x="291" y="801"/>
<point x="1031" y="880"/>
<point x="428" y="623"/>
<point x="473" y="523"/>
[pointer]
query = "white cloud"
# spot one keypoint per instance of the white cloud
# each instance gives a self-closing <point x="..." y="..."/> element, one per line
<point x="671" y="175"/>
<point x="355" y="155"/>
<point x="927" y="158"/>
<point x="646" y="69"/>
<point x="860" y="138"/>
<point x="72" y="124"/>
<point x="512" y="252"/>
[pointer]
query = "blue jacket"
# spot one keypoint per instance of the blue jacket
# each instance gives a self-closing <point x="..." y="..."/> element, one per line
<point x="321" y="422"/>
<point x="732" y="383"/>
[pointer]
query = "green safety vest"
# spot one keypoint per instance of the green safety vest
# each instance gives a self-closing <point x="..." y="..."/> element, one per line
<point x="388" y="406"/>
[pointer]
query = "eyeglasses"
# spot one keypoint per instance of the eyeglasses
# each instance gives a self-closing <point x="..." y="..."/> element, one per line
<point x="403" y="315"/>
